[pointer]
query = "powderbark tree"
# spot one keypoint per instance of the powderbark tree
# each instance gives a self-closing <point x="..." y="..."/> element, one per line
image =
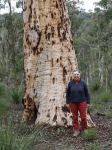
<point x="49" y="59"/>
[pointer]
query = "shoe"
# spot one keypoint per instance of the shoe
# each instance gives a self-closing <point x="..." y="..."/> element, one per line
<point x="76" y="133"/>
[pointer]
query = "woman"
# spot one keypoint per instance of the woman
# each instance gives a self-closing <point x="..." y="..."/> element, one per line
<point x="78" y="99"/>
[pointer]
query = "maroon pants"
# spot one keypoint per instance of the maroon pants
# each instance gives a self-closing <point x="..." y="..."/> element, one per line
<point x="82" y="109"/>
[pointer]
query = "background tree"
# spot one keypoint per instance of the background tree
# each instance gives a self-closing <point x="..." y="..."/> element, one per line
<point x="11" y="61"/>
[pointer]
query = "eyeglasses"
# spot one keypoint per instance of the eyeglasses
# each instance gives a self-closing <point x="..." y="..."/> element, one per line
<point x="76" y="74"/>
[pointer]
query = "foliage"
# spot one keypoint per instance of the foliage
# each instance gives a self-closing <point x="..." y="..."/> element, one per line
<point x="4" y="99"/>
<point x="92" y="35"/>
<point x="92" y="41"/>
<point x="2" y="89"/>
<point x="105" y="96"/>
<point x="11" y="48"/>
<point x="17" y="94"/>
<point x="3" y="106"/>
<point x="8" y="95"/>
<point x="95" y="86"/>
<point x="90" y="134"/>
<point x="93" y="146"/>
<point x="9" y="140"/>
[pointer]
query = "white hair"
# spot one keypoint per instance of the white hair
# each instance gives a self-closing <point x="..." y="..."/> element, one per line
<point x="76" y="72"/>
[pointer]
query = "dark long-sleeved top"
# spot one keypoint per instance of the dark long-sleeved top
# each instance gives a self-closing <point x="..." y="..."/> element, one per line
<point x="77" y="92"/>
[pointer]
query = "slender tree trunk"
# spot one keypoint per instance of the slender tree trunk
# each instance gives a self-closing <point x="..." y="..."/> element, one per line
<point x="10" y="7"/>
<point x="101" y="70"/>
<point x="106" y="79"/>
<point x="49" y="59"/>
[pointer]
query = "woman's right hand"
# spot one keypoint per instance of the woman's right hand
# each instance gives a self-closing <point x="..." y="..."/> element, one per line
<point x="67" y="105"/>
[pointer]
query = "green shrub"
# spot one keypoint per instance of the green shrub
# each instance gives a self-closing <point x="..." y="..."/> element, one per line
<point x="101" y="97"/>
<point x="10" y="141"/>
<point x="16" y="95"/>
<point x="90" y="134"/>
<point x="105" y="96"/>
<point x="2" y="89"/>
<point x="7" y="139"/>
<point x="95" y="86"/>
<point x="3" y="106"/>
<point x="93" y="146"/>
<point x="4" y="99"/>
<point x="109" y="114"/>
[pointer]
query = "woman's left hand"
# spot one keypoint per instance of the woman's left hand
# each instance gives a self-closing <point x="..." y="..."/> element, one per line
<point x="88" y="105"/>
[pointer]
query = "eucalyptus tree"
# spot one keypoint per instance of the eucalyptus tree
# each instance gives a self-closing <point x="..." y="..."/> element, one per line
<point x="49" y="58"/>
<point x="11" y="35"/>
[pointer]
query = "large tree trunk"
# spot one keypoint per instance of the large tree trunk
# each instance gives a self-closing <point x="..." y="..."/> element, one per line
<point x="49" y="59"/>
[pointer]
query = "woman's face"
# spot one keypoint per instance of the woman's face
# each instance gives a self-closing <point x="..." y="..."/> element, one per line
<point x="76" y="77"/>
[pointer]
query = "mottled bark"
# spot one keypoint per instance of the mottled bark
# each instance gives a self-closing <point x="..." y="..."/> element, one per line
<point x="49" y="59"/>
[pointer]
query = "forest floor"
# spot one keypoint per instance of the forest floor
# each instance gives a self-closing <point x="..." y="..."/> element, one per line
<point x="58" y="138"/>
